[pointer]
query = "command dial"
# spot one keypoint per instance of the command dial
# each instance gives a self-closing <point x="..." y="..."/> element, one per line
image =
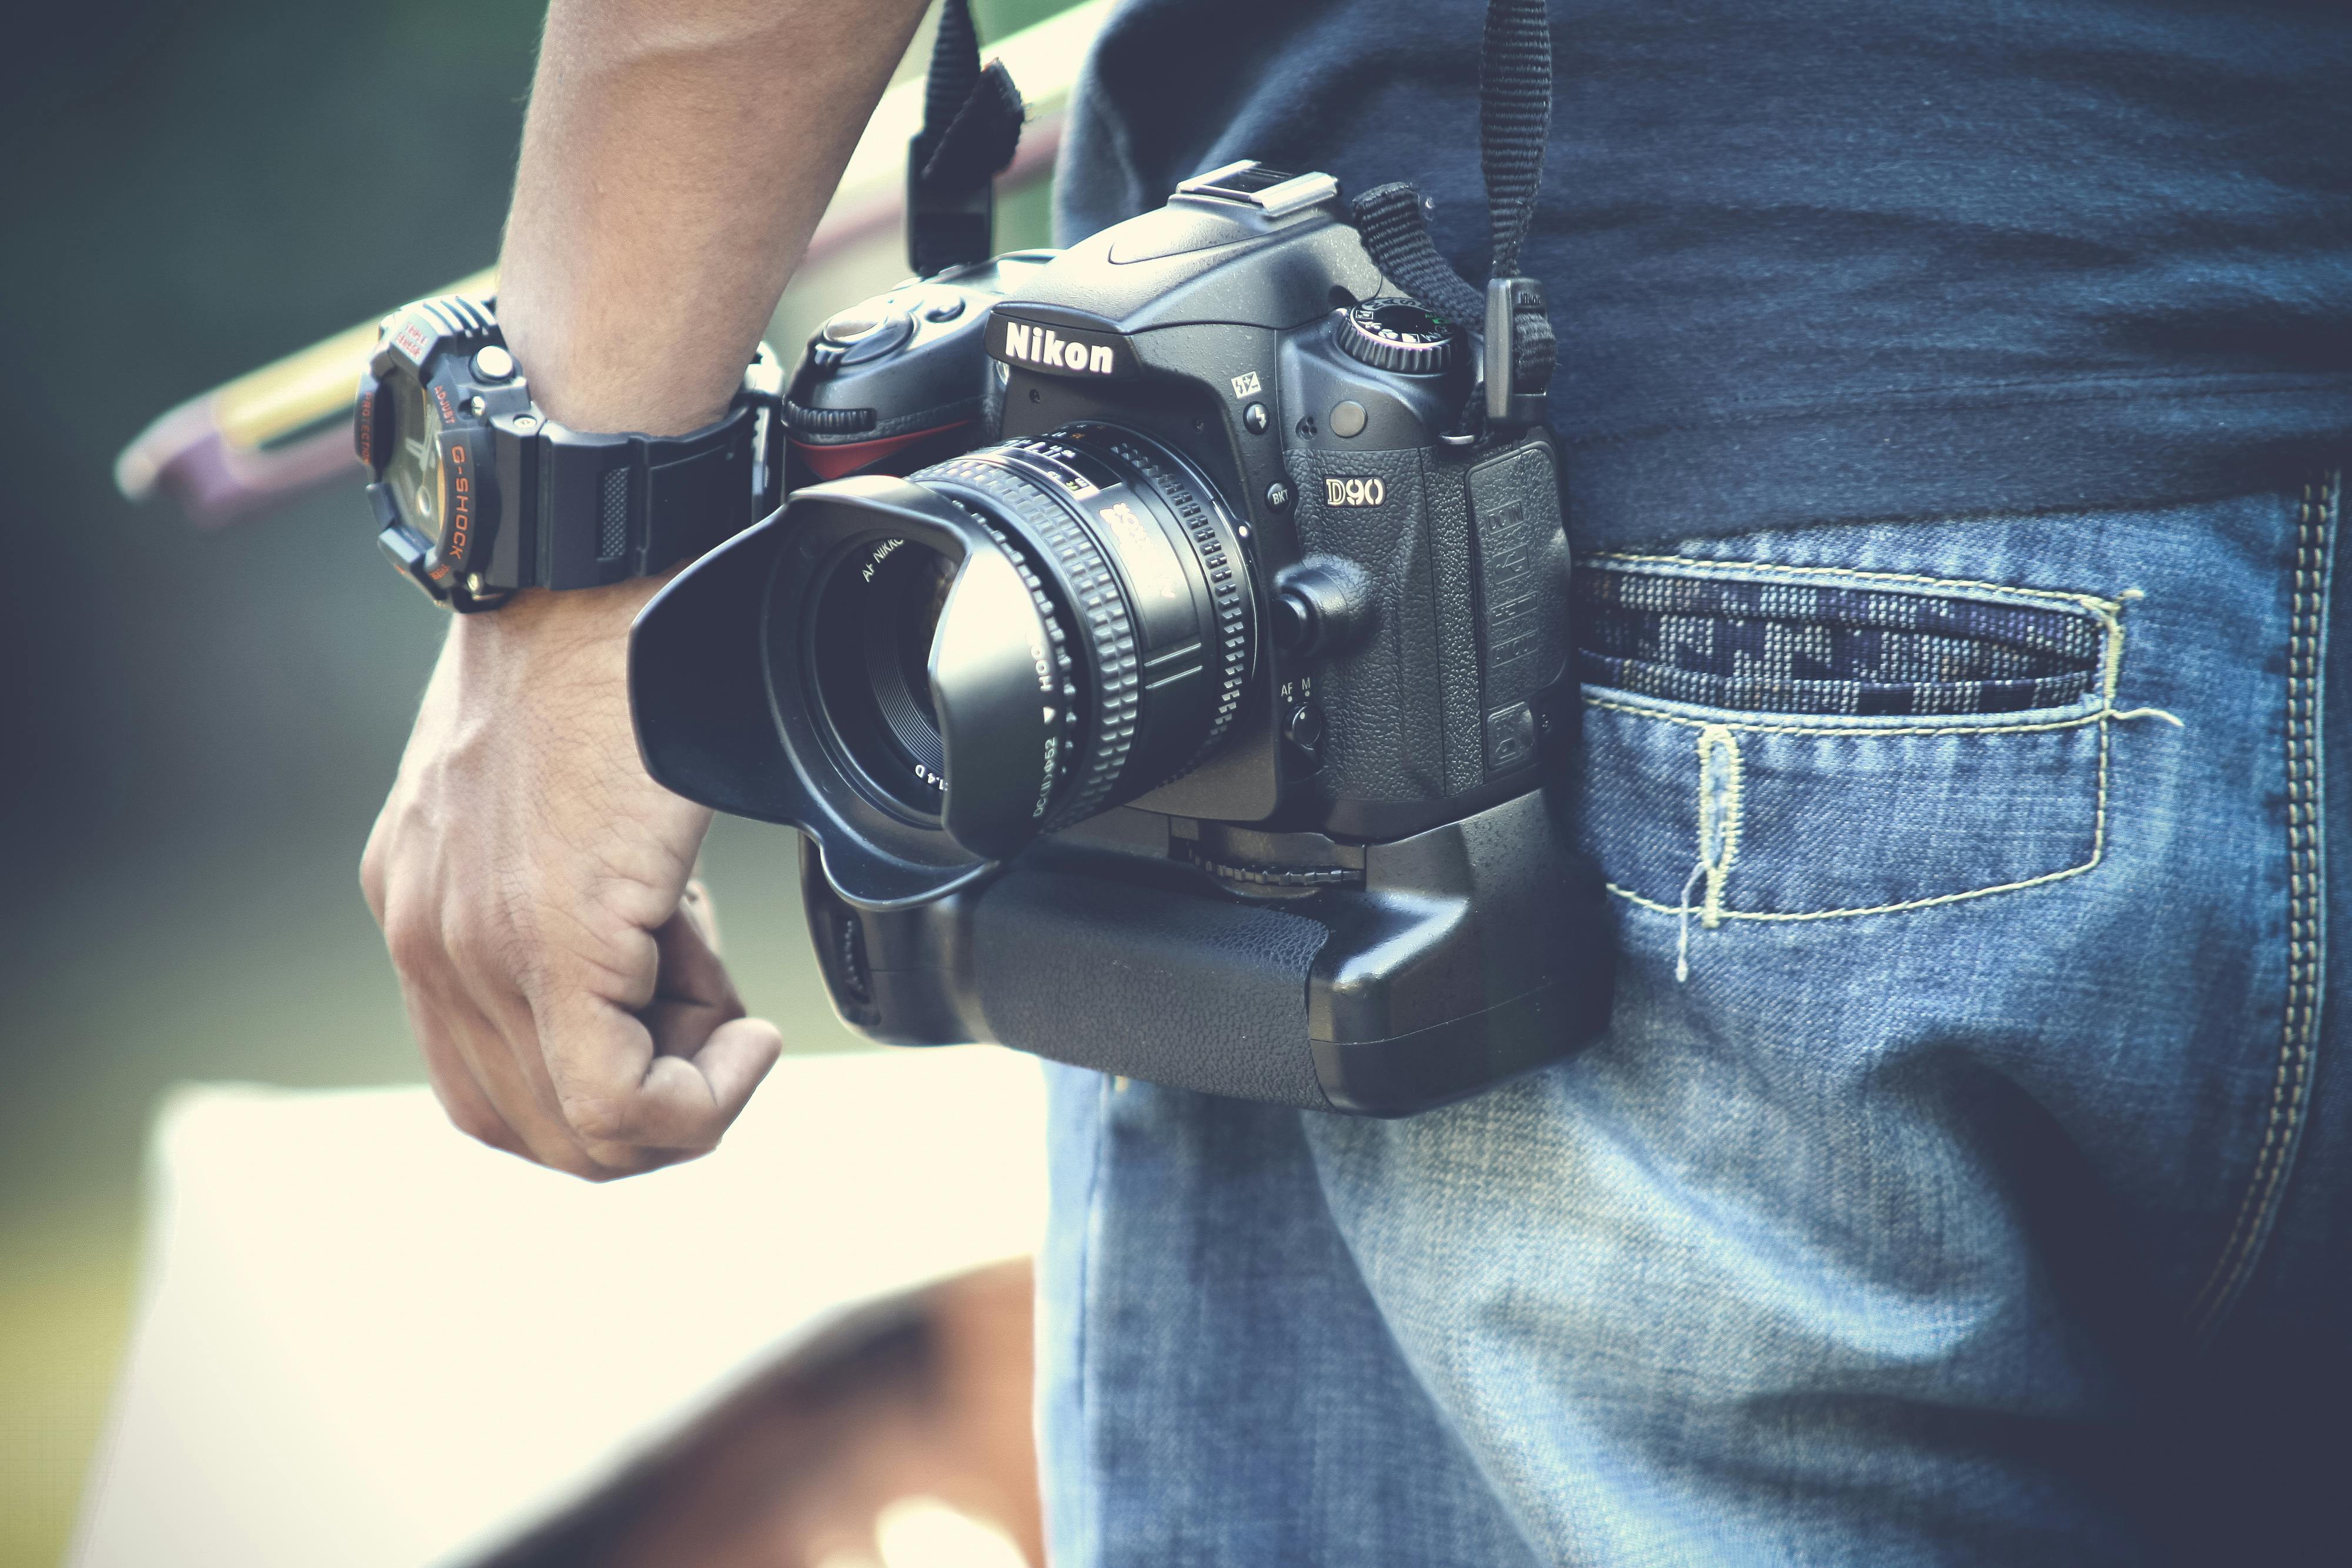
<point x="1393" y="334"/>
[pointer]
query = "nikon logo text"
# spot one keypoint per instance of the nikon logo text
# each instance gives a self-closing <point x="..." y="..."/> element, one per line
<point x="1042" y="346"/>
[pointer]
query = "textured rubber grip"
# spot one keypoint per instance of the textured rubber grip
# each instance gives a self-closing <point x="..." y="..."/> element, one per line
<point x="1467" y="955"/>
<point x="1197" y="993"/>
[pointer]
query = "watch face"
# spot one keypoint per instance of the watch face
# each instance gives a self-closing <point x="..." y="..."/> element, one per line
<point x="414" y="474"/>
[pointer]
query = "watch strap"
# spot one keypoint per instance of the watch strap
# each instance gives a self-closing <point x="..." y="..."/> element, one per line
<point x="611" y="507"/>
<point x="525" y="502"/>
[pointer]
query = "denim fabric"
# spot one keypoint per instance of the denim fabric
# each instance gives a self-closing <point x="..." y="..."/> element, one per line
<point x="1963" y="1178"/>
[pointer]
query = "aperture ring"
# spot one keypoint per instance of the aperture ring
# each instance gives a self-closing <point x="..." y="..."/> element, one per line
<point x="1098" y="600"/>
<point x="1227" y="588"/>
<point x="1049" y="612"/>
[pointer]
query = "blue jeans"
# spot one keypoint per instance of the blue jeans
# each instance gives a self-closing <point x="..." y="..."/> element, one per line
<point x="1964" y="1175"/>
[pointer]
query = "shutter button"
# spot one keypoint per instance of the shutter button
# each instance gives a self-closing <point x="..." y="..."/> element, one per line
<point x="861" y="334"/>
<point x="851" y="325"/>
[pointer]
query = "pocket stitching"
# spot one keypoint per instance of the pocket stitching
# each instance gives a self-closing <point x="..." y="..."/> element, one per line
<point x="2307" y="911"/>
<point x="2096" y="715"/>
<point x="2090" y="601"/>
<point x="2108" y="613"/>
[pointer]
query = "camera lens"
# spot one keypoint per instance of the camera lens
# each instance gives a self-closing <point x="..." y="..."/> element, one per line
<point x="1090" y="642"/>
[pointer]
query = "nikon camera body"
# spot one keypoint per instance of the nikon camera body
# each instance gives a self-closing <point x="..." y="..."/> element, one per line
<point x="1161" y="681"/>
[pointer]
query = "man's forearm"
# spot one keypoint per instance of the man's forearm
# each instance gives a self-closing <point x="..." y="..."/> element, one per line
<point x="677" y="156"/>
<point x="528" y="876"/>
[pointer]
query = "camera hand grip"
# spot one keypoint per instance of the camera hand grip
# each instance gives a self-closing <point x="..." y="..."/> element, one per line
<point x="1470" y="954"/>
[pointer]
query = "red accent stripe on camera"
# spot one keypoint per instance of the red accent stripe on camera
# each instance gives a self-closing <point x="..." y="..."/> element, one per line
<point x="833" y="460"/>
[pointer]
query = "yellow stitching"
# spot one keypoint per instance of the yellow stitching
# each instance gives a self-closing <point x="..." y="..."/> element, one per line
<point x="2298" y="880"/>
<point x="1651" y="904"/>
<point x="2099" y="821"/>
<point x="1682" y="924"/>
<point x="2098" y="853"/>
<point x="2087" y="601"/>
<point x="2113" y="620"/>
<point x="2107" y="611"/>
<point x="2290" y="1079"/>
<point x="1718" y="808"/>
<point x="2094" y="716"/>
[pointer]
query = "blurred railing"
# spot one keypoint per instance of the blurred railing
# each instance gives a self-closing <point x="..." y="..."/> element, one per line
<point x="276" y="431"/>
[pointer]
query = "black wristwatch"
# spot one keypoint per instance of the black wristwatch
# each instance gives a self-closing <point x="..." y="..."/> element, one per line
<point x="479" y="494"/>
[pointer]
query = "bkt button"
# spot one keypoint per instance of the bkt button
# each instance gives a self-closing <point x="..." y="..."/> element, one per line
<point x="1510" y="738"/>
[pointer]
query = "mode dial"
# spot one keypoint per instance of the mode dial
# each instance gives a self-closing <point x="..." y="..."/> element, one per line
<point x="1394" y="334"/>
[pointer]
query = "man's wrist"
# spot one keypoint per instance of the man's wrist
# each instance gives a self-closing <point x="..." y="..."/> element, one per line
<point x="575" y="389"/>
<point x="478" y="493"/>
<point x="544" y="623"/>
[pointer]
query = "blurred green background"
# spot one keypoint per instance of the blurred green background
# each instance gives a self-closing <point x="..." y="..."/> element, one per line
<point x="195" y="730"/>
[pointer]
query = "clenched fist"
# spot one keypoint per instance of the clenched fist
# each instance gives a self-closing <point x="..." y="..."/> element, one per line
<point x="532" y="883"/>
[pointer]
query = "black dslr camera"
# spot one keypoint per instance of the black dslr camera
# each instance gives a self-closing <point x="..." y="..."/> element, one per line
<point x="1187" y="716"/>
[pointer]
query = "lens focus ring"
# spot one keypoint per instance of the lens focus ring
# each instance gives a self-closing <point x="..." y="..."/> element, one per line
<point x="1101" y="611"/>
<point x="1147" y="569"/>
<point x="1226" y="587"/>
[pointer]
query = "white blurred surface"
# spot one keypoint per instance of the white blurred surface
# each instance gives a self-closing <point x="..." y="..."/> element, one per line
<point x="366" y="1340"/>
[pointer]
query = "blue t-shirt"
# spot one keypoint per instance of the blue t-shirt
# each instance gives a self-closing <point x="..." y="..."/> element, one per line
<point x="1836" y="259"/>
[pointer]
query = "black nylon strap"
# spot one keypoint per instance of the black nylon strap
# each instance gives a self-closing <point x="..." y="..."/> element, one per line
<point x="695" y="504"/>
<point x="955" y="70"/>
<point x="1393" y="222"/>
<point x="1514" y="121"/>
<point x="1514" y="125"/>
<point x="972" y="126"/>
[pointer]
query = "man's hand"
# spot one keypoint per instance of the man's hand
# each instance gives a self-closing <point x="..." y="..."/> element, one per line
<point x="528" y="879"/>
<point x="527" y="873"/>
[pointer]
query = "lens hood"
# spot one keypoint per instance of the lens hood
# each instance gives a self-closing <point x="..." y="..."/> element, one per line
<point x="725" y="669"/>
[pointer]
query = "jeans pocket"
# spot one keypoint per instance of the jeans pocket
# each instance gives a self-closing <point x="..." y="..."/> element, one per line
<point x="1775" y="743"/>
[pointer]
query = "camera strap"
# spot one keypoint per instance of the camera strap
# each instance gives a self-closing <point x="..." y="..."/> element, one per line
<point x="971" y="124"/>
<point x="1514" y="124"/>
